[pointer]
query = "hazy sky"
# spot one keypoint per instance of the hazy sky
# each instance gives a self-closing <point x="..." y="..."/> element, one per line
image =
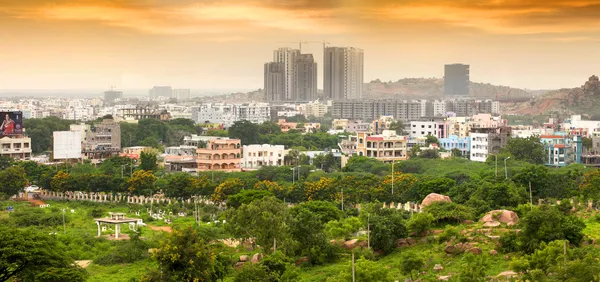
<point x="92" y="44"/>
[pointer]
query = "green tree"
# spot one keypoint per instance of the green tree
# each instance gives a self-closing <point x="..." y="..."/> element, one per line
<point x="246" y="131"/>
<point x="326" y="162"/>
<point x="6" y="162"/>
<point x="386" y="226"/>
<point x="180" y="185"/>
<point x="308" y="230"/>
<point x="449" y="212"/>
<point x="430" y="139"/>
<point x="473" y="268"/>
<point x="266" y="220"/>
<point x="414" y="151"/>
<point x="184" y="256"/>
<point x="142" y="183"/>
<point x="397" y="126"/>
<point x="546" y="224"/>
<point x="246" y="197"/>
<point x="32" y="255"/>
<point x="228" y="187"/>
<point x="268" y="127"/>
<point x="12" y="181"/>
<point x="365" y="270"/>
<point x="457" y="153"/>
<point x="590" y="186"/>
<point x="411" y="264"/>
<point x="62" y="182"/>
<point x="344" y="228"/>
<point x="420" y="223"/>
<point x="429" y="154"/>
<point x="528" y="149"/>
<point x="148" y="161"/>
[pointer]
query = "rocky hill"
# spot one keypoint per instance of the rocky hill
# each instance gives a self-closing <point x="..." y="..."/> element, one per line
<point x="433" y="88"/>
<point x="584" y="100"/>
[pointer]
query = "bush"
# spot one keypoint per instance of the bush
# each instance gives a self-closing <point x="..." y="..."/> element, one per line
<point x="420" y="223"/>
<point x="96" y="212"/>
<point x="449" y="212"/>
<point x="509" y="242"/>
<point x="411" y="264"/>
<point x="125" y="252"/>
<point x="450" y="233"/>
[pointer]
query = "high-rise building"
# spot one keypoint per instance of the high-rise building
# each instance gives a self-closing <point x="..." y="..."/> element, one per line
<point x="274" y="81"/>
<point x="181" y="94"/>
<point x="288" y="57"/>
<point x="456" y="79"/>
<point x="343" y="73"/>
<point x="111" y="95"/>
<point x="161" y="91"/>
<point x="306" y="78"/>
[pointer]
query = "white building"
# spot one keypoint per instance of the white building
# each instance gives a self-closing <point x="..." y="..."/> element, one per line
<point x="79" y="113"/>
<point x="496" y="107"/>
<point x="16" y="148"/>
<point x="256" y="156"/>
<point x="181" y="94"/>
<point x="315" y="108"/>
<point x="423" y="128"/>
<point x="227" y="114"/>
<point x="439" y="108"/>
<point x="253" y="112"/>
<point x="479" y="147"/>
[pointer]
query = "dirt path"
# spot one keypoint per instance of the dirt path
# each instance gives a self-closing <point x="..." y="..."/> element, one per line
<point x="160" y="228"/>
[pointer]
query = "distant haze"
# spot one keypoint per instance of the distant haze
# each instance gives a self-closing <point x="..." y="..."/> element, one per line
<point x="222" y="45"/>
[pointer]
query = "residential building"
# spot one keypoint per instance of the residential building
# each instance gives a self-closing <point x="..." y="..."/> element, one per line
<point x="381" y="124"/>
<point x="304" y="127"/>
<point x="488" y="141"/>
<point x="562" y="149"/>
<point x="161" y="91"/>
<point x="274" y="81"/>
<point x="142" y="112"/>
<point x="253" y="112"/>
<point x="575" y="125"/>
<point x="288" y="57"/>
<point x="135" y="151"/>
<point x="181" y="94"/>
<point x="101" y="141"/>
<point x="423" y="129"/>
<point x="339" y="123"/>
<point x="16" y="147"/>
<point x="459" y="126"/>
<point x="372" y="109"/>
<point x="227" y="114"/>
<point x="306" y="78"/>
<point x="111" y="95"/>
<point x="314" y="108"/>
<point x="355" y="126"/>
<point x="343" y="73"/>
<point x="386" y="147"/>
<point x="257" y="156"/>
<point x="456" y="80"/>
<point x="222" y="154"/>
<point x="454" y="142"/>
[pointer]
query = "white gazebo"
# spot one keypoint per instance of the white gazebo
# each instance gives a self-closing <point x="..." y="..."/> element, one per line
<point x="116" y="219"/>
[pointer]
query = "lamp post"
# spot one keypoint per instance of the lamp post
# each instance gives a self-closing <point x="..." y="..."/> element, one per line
<point x="505" y="170"/>
<point x="496" y="156"/>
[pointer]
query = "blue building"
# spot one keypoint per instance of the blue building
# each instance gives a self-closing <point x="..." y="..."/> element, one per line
<point x="454" y="142"/>
<point x="562" y="149"/>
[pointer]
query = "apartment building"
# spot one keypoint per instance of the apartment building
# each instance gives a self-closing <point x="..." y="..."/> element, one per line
<point x="253" y="112"/>
<point x="314" y="108"/>
<point x="16" y="147"/>
<point x="454" y="142"/>
<point x="220" y="154"/>
<point x="257" y="156"/>
<point x="343" y="73"/>
<point x="386" y="147"/>
<point x="488" y="141"/>
<point x="100" y="141"/>
<point x="227" y="114"/>
<point x="371" y="110"/>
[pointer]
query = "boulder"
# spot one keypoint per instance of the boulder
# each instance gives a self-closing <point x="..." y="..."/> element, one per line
<point x="475" y="251"/>
<point x="256" y="258"/>
<point x="444" y="278"/>
<point x="492" y="223"/>
<point x="493" y="252"/>
<point x="438" y="267"/>
<point x="238" y="265"/>
<point x="244" y="258"/>
<point x="451" y="250"/>
<point x="401" y="243"/>
<point x="433" y="198"/>
<point x="350" y="244"/>
<point x="503" y="216"/>
<point x="411" y="241"/>
<point x="467" y="221"/>
<point x="507" y="274"/>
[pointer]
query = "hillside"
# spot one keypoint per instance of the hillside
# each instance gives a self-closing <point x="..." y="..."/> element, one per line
<point x="584" y="100"/>
<point x="433" y="88"/>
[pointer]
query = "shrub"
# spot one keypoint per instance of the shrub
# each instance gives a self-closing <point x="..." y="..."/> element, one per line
<point x="449" y="212"/>
<point x="420" y="223"/>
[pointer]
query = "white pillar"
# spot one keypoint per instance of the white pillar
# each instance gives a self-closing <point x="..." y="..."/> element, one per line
<point x="99" y="230"/>
<point x="117" y="227"/>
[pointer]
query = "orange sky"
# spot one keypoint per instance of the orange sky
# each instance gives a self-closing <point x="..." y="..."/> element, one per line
<point x="68" y="44"/>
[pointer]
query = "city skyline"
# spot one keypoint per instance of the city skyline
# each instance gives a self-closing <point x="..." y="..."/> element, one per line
<point x="222" y="45"/>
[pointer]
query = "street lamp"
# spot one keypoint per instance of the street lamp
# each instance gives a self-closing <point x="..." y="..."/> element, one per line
<point x="505" y="170"/>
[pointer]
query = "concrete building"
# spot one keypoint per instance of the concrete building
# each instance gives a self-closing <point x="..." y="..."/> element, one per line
<point x="111" y="95"/>
<point x="423" y="129"/>
<point x="274" y="81"/>
<point x="16" y="147"/>
<point x="257" y="156"/>
<point x="181" y="94"/>
<point x="253" y="112"/>
<point x="161" y="91"/>
<point x="288" y="57"/>
<point x="227" y="114"/>
<point x="314" y="108"/>
<point x="306" y="78"/>
<point x="100" y="141"/>
<point x="488" y="141"/>
<point x="142" y="112"/>
<point x="456" y="80"/>
<point x="454" y="142"/>
<point x="381" y="124"/>
<point x="386" y="147"/>
<point x="343" y="73"/>
<point x="372" y="109"/>
<point x="220" y="154"/>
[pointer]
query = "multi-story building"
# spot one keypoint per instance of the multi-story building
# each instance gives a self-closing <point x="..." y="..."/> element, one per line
<point x="488" y="141"/>
<point x="222" y="154"/>
<point x="16" y="147"/>
<point x="381" y="124"/>
<point x="257" y="156"/>
<point x="454" y="142"/>
<point x="424" y="128"/>
<point x="100" y="141"/>
<point x="227" y="114"/>
<point x="181" y="94"/>
<point x="373" y="109"/>
<point x="161" y="91"/>
<point x="288" y="57"/>
<point x="274" y="81"/>
<point x="111" y="95"/>
<point x="253" y="112"/>
<point x="314" y="108"/>
<point x="456" y="80"/>
<point x="386" y="147"/>
<point x="306" y="78"/>
<point x="302" y="127"/>
<point x="343" y="73"/>
<point x="141" y="112"/>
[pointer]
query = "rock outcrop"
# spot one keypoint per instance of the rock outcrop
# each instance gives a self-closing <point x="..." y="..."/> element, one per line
<point x="434" y="198"/>
<point x="502" y="216"/>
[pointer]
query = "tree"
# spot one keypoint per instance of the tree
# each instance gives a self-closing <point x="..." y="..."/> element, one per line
<point x="420" y="223"/>
<point x="457" y="153"/>
<point x="268" y="127"/>
<point x="62" y="182"/>
<point x="411" y="264"/>
<point x="590" y="186"/>
<point x="32" y="255"/>
<point x="266" y="220"/>
<point x="429" y="154"/>
<point x="142" y="183"/>
<point x="528" y="149"/>
<point x="148" y="161"/>
<point x="326" y="162"/>
<point x="12" y="181"/>
<point x="430" y="139"/>
<point x="180" y="185"/>
<point x="6" y="162"/>
<point x="308" y="230"/>
<point x="184" y="256"/>
<point x="386" y="225"/>
<point x="246" y="131"/>
<point x="246" y="197"/>
<point x="228" y="187"/>
<point x="344" y="228"/>
<point x="473" y="268"/>
<point x="365" y="270"/>
<point x="397" y="126"/>
<point x="449" y="212"/>
<point x="546" y="224"/>
<point x="414" y="151"/>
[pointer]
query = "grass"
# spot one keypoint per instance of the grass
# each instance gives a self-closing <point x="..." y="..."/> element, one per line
<point x="120" y="272"/>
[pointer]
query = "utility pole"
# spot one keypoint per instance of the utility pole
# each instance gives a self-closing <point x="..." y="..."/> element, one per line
<point x="505" y="170"/>
<point x="342" y="198"/>
<point x="353" y="273"/>
<point x="368" y="232"/>
<point x="496" y="156"/>
<point x="530" y="196"/>
<point x="392" y="177"/>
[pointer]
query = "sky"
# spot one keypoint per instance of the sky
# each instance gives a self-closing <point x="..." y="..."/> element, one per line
<point x="204" y="44"/>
